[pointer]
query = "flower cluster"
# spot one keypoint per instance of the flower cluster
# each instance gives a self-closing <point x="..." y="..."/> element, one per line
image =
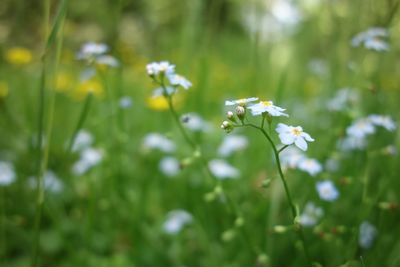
<point x="360" y="129"/>
<point x="89" y="156"/>
<point x="373" y="39"/>
<point x="176" y="220"/>
<point x="311" y="215"/>
<point x="160" y="70"/>
<point x="96" y="53"/>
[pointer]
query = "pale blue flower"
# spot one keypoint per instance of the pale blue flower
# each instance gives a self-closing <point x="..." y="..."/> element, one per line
<point x="367" y="235"/>
<point x="327" y="190"/>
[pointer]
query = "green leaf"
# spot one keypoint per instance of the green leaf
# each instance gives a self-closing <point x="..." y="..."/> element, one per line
<point x="61" y="13"/>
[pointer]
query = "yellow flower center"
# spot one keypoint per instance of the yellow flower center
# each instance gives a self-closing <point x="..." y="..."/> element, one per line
<point x="266" y="103"/>
<point x="296" y="131"/>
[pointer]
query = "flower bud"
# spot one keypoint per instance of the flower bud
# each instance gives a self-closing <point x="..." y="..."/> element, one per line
<point x="240" y="112"/>
<point x="280" y="229"/>
<point x="262" y="259"/>
<point x="228" y="235"/>
<point x="231" y="116"/>
<point x="209" y="197"/>
<point x="239" y="222"/>
<point x="227" y="126"/>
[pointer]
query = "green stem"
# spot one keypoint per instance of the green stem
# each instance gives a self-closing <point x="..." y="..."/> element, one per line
<point x="81" y="120"/>
<point x="287" y="191"/>
<point x="282" y="148"/>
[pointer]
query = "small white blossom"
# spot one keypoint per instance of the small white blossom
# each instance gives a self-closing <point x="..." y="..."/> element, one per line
<point x="223" y="170"/>
<point x="342" y="99"/>
<point x="51" y="182"/>
<point x="291" y="157"/>
<point x="160" y="91"/>
<point x="312" y="166"/>
<point x="107" y="60"/>
<point x="89" y="158"/>
<point x="311" y="215"/>
<point x="367" y="235"/>
<point x="327" y="190"/>
<point x="176" y="220"/>
<point x="125" y="102"/>
<point x="179" y="80"/>
<point x="372" y="38"/>
<point x="194" y="122"/>
<point x="361" y="128"/>
<point x="169" y="166"/>
<point x="83" y="140"/>
<point x="155" y="68"/>
<point x="91" y="49"/>
<point x="383" y="121"/>
<point x="7" y="173"/>
<point x="352" y="143"/>
<point x="240" y="102"/>
<point x="267" y="107"/>
<point x="231" y="144"/>
<point x="289" y="135"/>
<point x="158" y="141"/>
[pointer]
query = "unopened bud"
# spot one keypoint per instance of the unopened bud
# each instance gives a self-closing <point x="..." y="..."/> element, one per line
<point x="231" y="116"/>
<point x="218" y="190"/>
<point x="240" y="112"/>
<point x="227" y="126"/>
<point x="266" y="183"/>
<point x="209" y="197"/>
<point x="239" y="222"/>
<point x="228" y="235"/>
<point x="280" y="229"/>
<point x="262" y="259"/>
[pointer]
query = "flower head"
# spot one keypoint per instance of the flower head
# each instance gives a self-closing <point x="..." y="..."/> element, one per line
<point x="169" y="166"/>
<point x="372" y="39"/>
<point x="291" y="134"/>
<point x="91" y="49"/>
<point x="312" y="166"/>
<point x="7" y="173"/>
<point x="367" y="235"/>
<point x="163" y="67"/>
<point x="327" y="190"/>
<point x="267" y="107"/>
<point x="176" y="220"/>
<point x="361" y="128"/>
<point x="223" y="170"/>
<point x="232" y="143"/>
<point x="311" y="215"/>
<point x="179" y="80"/>
<point x="383" y="121"/>
<point x="158" y="141"/>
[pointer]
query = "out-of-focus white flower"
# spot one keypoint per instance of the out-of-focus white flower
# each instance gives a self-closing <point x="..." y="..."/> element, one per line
<point x="327" y="190"/>
<point x="373" y="39"/>
<point x="267" y="107"/>
<point x="7" y="173"/>
<point x="361" y="128"/>
<point x="289" y="135"/>
<point x="125" y="102"/>
<point x="158" y="141"/>
<point x="383" y="121"/>
<point x="155" y="68"/>
<point x="352" y="143"/>
<point x="367" y="235"/>
<point x="312" y="166"/>
<point x="222" y="169"/>
<point x="169" y="166"/>
<point x="285" y="12"/>
<point x="91" y="49"/>
<point x="176" y="220"/>
<point x="51" y="182"/>
<point x="318" y="67"/>
<point x="311" y="215"/>
<point x="83" y="140"/>
<point x="231" y="144"/>
<point x="89" y="158"/>
<point x="194" y="122"/>
<point x="291" y="157"/>
<point x="107" y="60"/>
<point x="342" y="99"/>
<point x="179" y="80"/>
<point x="241" y="102"/>
<point x="87" y="74"/>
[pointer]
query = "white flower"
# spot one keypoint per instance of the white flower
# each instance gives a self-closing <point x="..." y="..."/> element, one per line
<point x="89" y="158"/>
<point x="7" y="173"/>
<point x="51" y="182"/>
<point x="125" y="102"/>
<point x="178" y="80"/>
<point x="176" y="220"/>
<point x="291" y="157"/>
<point x="342" y="99"/>
<point x="240" y="102"/>
<point x="231" y="144"/>
<point x="160" y="91"/>
<point x="155" y="68"/>
<point x="158" y="141"/>
<point x="194" y="122"/>
<point x="222" y="170"/>
<point x="312" y="166"/>
<point x="361" y="128"/>
<point x="290" y="135"/>
<point x="327" y="190"/>
<point x="384" y="121"/>
<point x="107" y="60"/>
<point x="91" y="49"/>
<point x="169" y="166"/>
<point x="367" y="235"/>
<point x="352" y="143"/>
<point x="311" y="215"/>
<point x="267" y="107"/>
<point x="372" y="39"/>
<point x="83" y="140"/>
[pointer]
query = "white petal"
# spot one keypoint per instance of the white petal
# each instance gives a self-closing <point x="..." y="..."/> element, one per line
<point x="307" y="137"/>
<point x="301" y="143"/>
<point x="282" y="128"/>
<point x="286" y="139"/>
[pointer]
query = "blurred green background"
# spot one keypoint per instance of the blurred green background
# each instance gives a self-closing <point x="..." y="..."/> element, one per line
<point x="295" y="53"/>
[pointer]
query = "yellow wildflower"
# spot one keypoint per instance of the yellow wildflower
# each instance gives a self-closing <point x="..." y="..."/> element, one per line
<point x="158" y="103"/>
<point x="18" y="56"/>
<point x="3" y="89"/>
<point x="89" y="86"/>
